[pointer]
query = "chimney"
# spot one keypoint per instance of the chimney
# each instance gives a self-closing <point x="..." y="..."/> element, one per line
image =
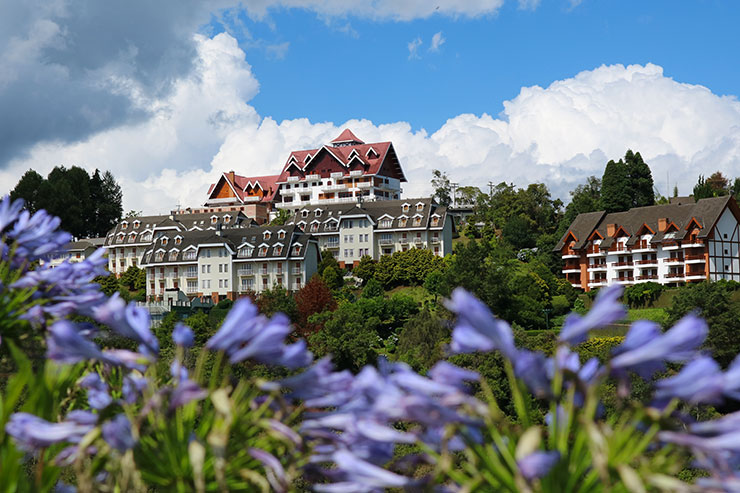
<point x="231" y="176"/>
<point x="663" y="224"/>
<point x="611" y="229"/>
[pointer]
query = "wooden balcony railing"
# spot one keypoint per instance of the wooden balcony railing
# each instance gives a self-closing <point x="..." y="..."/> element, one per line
<point x="647" y="261"/>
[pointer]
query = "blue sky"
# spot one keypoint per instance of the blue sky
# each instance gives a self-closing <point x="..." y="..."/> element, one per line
<point x="339" y="69"/>
<point x="169" y="94"/>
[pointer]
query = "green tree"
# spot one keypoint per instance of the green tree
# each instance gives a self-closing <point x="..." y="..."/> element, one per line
<point x="640" y="179"/>
<point x="584" y="198"/>
<point x="327" y="259"/>
<point x="282" y="217"/>
<point x="373" y="289"/>
<point x="714" y="302"/>
<point x="421" y="340"/>
<point x="332" y="278"/>
<point x="442" y="188"/>
<point x="277" y="300"/>
<point x="365" y="269"/>
<point x="434" y="283"/>
<point x="349" y="336"/>
<point x="616" y="195"/>
<point x="28" y="189"/>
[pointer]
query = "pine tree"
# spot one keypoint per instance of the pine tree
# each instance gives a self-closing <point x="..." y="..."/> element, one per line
<point x="616" y="195"/>
<point x="640" y="178"/>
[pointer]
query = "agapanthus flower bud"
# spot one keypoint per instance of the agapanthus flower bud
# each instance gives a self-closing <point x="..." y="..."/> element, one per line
<point x="606" y="310"/>
<point x="97" y="391"/>
<point x="183" y="335"/>
<point x="477" y="329"/>
<point x="537" y="464"/>
<point x="32" y="433"/>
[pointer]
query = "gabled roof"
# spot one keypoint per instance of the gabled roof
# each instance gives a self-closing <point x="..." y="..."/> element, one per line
<point x="239" y="184"/>
<point x="347" y="136"/>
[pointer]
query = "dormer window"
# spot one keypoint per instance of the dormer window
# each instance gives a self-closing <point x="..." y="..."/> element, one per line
<point x="266" y="235"/>
<point x="420" y="206"/>
<point x="173" y="255"/>
<point x="132" y="236"/>
<point x="227" y="219"/>
<point x="417" y="221"/>
<point x="160" y="256"/>
<point x="246" y="251"/>
<point x="120" y="237"/>
<point x="137" y="224"/>
<point x="281" y="235"/>
<point x="164" y="240"/>
<point x="317" y="212"/>
<point x="214" y="219"/>
<point x="402" y="222"/>
<point x="435" y="221"/>
<point x="124" y="225"/>
<point x="405" y="207"/>
<point x="178" y="240"/>
<point x="386" y="223"/>
<point x="148" y="257"/>
<point x="296" y="249"/>
<point x="301" y="225"/>
<point x="314" y="227"/>
<point x="263" y="251"/>
<point x="277" y="250"/>
<point x="304" y="213"/>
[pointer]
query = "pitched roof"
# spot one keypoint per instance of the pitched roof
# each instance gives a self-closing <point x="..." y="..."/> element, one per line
<point x="267" y="183"/>
<point x="705" y="211"/>
<point x="346" y="136"/>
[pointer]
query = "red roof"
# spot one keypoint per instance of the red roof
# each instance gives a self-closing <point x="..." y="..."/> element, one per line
<point x="382" y="152"/>
<point x="241" y="183"/>
<point x="346" y="136"/>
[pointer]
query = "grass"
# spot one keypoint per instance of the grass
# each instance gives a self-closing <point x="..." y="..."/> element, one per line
<point x="418" y="293"/>
<point x="657" y="315"/>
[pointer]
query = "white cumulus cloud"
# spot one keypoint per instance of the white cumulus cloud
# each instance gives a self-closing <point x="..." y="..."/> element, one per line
<point x="413" y="47"/>
<point x="558" y="134"/>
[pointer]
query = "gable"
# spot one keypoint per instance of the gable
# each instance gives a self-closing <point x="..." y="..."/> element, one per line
<point x="223" y="190"/>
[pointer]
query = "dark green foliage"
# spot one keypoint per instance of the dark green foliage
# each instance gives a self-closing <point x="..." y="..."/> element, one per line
<point x="349" y="336"/>
<point x="643" y="294"/>
<point x="108" y="284"/>
<point x="332" y="277"/>
<point x="133" y="279"/>
<point x="327" y="260"/>
<point x="703" y="189"/>
<point x="422" y="339"/>
<point x="224" y="304"/>
<point x="560" y="305"/>
<point x="365" y="269"/>
<point x="585" y="198"/>
<point x="435" y="283"/>
<point x="713" y="300"/>
<point x="282" y="217"/>
<point x="716" y="185"/>
<point x="277" y="300"/>
<point x="520" y="232"/>
<point x="87" y="206"/>
<point x="408" y="268"/>
<point x="442" y="188"/>
<point x="641" y="180"/>
<point x="372" y="289"/>
<point x="616" y="195"/>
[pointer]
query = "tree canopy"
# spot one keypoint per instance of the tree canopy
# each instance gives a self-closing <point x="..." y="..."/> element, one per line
<point x="627" y="183"/>
<point x="87" y="205"/>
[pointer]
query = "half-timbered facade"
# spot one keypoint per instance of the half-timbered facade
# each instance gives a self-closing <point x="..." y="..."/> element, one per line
<point x="340" y="172"/>
<point x="675" y="243"/>
<point x="351" y="231"/>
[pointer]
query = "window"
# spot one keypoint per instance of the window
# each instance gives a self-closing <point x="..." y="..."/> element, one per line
<point x="405" y="207"/>
<point x="314" y="227"/>
<point x="226" y="268"/>
<point x="192" y="271"/>
<point x="246" y="251"/>
<point x="266" y="235"/>
<point x="402" y="222"/>
<point x="124" y="225"/>
<point x="304" y="213"/>
<point x="278" y="250"/>
<point x="317" y="212"/>
<point x="220" y="283"/>
<point x="137" y="224"/>
<point x="435" y="221"/>
<point x="297" y="250"/>
<point x="281" y="235"/>
<point x="725" y="236"/>
<point x="279" y="267"/>
<point x="178" y="240"/>
<point x="173" y="255"/>
<point x="348" y="252"/>
<point x="386" y="223"/>
<point x="189" y="255"/>
<point x="214" y="219"/>
<point x="158" y="258"/>
<point x="220" y="268"/>
<point x="348" y="238"/>
<point x="227" y="220"/>
<point x="420" y="207"/>
<point x="263" y="251"/>
<point x="417" y="221"/>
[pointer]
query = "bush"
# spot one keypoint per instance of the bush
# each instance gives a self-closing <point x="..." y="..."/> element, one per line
<point x="560" y="305"/>
<point x="643" y="294"/>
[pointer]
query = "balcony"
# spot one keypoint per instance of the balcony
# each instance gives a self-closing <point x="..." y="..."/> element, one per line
<point x="385" y="241"/>
<point x="404" y="241"/>
<point x="191" y="290"/>
<point x="693" y="243"/>
<point x="670" y="245"/>
<point x="595" y="283"/>
<point x="334" y="188"/>
<point x="435" y="240"/>
<point x="571" y="254"/>
<point x="191" y="274"/>
<point x="571" y="269"/>
<point x="172" y="275"/>
<point x="296" y="271"/>
<point x="418" y="240"/>
<point x="293" y="179"/>
<point x="695" y="276"/>
<point x="673" y="260"/>
<point x="245" y="272"/>
<point x="330" y="228"/>
<point x="597" y="267"/>
<point x="595" y="252"/>
<point x="647" y="277"/>
<point x="313" y="177"/>
<point x="675" y="276"/>
<point x="650" y="262"/>
<point x="623" y="265"/>
<point x="644" y="247"/>
<point x="623" y="280"/>
<point x="620" y="248"/>
<point x="332" y="244"/>
<point x="694" y="259"/>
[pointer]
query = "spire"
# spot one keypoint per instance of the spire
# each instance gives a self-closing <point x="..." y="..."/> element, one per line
<point x="346" y="138"/>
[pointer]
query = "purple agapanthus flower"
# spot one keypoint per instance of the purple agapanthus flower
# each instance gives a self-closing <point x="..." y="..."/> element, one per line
<point x="532" y="368"/>
<point x="449" y="374"/>
<point x="117" y="433"/>
<point x="477" y="329"/>
<point x="537" y="464"/>
<point x="274" y="469"/>
<point x="133" y="387"/>
<point x="97" y="391"/>
<point x="32" y="433"/>
<point x="184" y="392"/>
<point x="129" y="321"/>
<point x="9" y="211"/>
<point x="246" y="335"/>
<point x="606" y="310"/>
<point x="183" y="335"/>
<point x="360" y="476"/>
<point x="36" y="235"/>
<point x="65" y="344"/>
<point x="645" y="350"/>
<point x="700" y="381"/>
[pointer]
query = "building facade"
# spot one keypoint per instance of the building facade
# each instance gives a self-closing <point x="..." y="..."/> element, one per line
<point x="671" y="244"/>
<point x="351" y="231"/>
<point x="224" y="264"/>
<point x="340" y="172"/>
<point x="75" y="251"/>
<point x="131" y="237"/>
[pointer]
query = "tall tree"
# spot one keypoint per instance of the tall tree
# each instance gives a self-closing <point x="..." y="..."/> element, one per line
<point x="616" y="195"/>
<point x="584" y="198"/>
<point x="640" y="178"/>
<point x="28" y="189"/>
<point x="442" y="188"/>
<point x="111" y="209"/>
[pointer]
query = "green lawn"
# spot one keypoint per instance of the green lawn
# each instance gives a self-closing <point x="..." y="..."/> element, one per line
<point x="658" y="315"/>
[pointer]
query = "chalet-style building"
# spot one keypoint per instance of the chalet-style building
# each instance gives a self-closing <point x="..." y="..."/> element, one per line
<point x="127" y="241"/>
<point x="340" y="172"/>
<point x="251" y="195"/>
<point x="223" y="264"/>
<point x="350" y="231"/>
<point x="684" y="241"/>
